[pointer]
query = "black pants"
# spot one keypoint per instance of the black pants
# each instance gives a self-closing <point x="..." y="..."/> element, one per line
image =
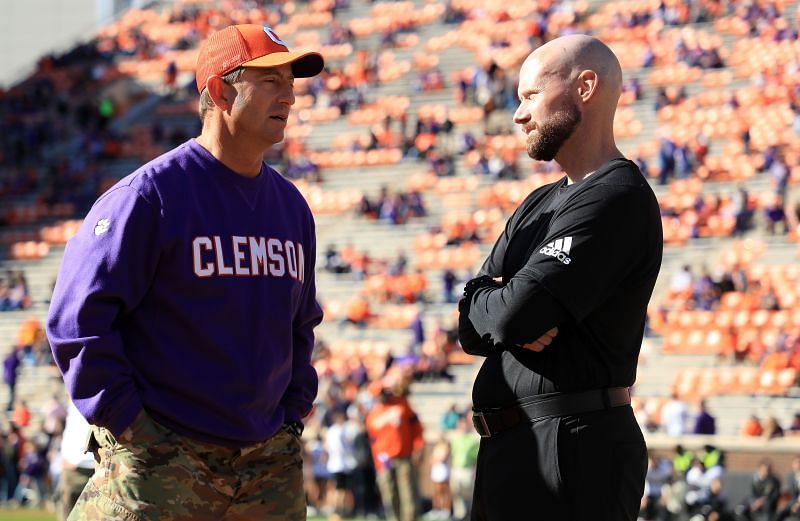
<point x="579" y="468"/>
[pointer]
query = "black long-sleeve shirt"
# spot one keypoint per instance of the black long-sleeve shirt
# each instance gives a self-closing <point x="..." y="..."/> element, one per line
<point x="583" y="257"/>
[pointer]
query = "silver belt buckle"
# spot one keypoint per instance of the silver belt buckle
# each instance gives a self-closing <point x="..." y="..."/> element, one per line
<point x="481" y="420"/>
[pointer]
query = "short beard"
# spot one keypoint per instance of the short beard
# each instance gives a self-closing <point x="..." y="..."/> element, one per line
<point x="545" y="142"/>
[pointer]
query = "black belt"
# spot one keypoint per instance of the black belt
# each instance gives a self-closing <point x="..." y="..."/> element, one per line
<point x="494" y="421"/>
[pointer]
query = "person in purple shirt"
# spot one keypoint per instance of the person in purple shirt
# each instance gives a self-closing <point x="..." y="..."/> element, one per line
<point x="10" y="366"/>
<point x="182" y="317"/>
<point x="704" y="423"/>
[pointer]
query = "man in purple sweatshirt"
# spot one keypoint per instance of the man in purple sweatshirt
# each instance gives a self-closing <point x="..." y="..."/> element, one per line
<point x="183" y="315"/>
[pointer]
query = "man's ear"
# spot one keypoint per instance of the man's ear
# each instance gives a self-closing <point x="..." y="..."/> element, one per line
<point x="588" y="85"/>
<point x="221" y="93"/>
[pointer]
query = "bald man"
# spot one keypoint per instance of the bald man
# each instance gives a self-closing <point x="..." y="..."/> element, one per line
<point x="558" y="308"/>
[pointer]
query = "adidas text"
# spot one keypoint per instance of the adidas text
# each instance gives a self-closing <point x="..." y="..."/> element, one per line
<point x="558" y="254"/>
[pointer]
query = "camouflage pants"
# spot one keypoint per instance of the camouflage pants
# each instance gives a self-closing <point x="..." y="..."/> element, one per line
<point x="152" y="473"/>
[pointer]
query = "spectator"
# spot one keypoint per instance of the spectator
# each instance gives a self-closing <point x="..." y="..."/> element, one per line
<point x="171" y="77"/>
<point x="775" y="215"/>
<point x="358" y="312"/>
<point x="779" y="174"/>
<point x="395" y="433"/>
<point x="442" y="500"/>
<point x="363" y="484"/>
<point x="764" y="493"/>
<point x="5" y="472"/>
<point x="697" y="486"/>
<point x="666" y="160"/>
<point x="317" y="488"/>
<point x="13" y="452"/>
<point x="658" y="473"/>
<point x="33" y="469"/>
<point x="10" y="367"/>
<point x="417" y="328"/>
<point x="17" y="295"/>
<point x="682" y="460"/>
<point x="21" y="416"/>
<point x="450" y="418"/>
<point x="794" y="428"/>
<point x="77" y="465"/>
<point x="683" y="161"/>
<point x="464" y="458"/>
<point x="681" y="280"/>
<point x="704" y="422"/>
<point x="752" y="427"/>
<point x="715" y="505"/>
<point x="674" y="415"/>
<point x="334" y="262"/>
<point x="741" y="210"/>
<point x="341" y="463"/>
<point x="792" y="492"/>
<point x="448" y="285"/>
<point x="672" y="497"/>
<point x="710" y="456"/>
<point x="54" y="415"/>
<point x="772" y="429"/>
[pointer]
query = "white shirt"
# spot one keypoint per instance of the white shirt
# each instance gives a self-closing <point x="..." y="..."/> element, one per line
<point x="339" y="449"/>
<point x="673" y="417"/>
<point x="73" y="442"/>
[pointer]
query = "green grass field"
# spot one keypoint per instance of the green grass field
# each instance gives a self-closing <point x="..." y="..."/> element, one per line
<point x="27" y="515"/>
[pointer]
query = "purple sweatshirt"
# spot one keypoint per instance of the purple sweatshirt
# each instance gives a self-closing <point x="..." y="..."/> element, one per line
<point x="189" y="291"/>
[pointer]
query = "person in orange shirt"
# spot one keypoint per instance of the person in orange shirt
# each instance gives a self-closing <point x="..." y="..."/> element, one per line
<point x="358" y="312"/>
<point x="752" y="427"/>
<point x="395" y="435"/>
<point x="21" y="417"/>
<point x="775" y="360"/>
<point x="416" y="284"/>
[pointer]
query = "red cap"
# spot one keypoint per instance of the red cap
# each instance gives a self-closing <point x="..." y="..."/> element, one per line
<point x="251" y="45"/>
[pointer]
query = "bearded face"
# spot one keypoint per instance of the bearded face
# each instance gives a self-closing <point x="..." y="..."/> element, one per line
<point x="546" y="140"/>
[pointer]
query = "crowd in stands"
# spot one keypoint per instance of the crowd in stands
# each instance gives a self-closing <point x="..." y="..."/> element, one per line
<point x="769" y="427"/>
<point x="353" y="452"/>
<point x="31" y="348"/>
<point x="30" y="462"/>
<point x="395" y="208"/>
<point x="675" y="416"/>
<point x="689" y="486"/>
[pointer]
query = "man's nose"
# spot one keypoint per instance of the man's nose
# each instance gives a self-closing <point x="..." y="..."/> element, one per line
<point x="521" y="115"/>
<point x="287" y="96"/>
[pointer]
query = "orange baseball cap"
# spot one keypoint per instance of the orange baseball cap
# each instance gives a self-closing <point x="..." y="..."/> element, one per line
<point x="251" y="45"/>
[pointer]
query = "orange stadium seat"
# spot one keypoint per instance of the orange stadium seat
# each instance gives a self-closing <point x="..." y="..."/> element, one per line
<point x="30" y="250"/>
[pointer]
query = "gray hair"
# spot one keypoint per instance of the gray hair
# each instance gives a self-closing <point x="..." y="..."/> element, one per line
<point x="206" y="103"/>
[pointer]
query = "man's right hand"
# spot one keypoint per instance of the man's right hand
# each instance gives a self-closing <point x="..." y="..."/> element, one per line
<point x="543" y="341"/>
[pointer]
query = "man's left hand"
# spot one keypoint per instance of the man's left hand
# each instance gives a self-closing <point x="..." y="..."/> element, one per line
<point x="543" y="341"/>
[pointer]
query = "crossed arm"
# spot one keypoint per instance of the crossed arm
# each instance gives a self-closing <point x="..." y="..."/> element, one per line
<point x="520" y="313"/>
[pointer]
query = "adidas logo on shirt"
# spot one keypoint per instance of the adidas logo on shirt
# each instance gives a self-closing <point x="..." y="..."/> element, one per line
<point x="559" y="249"/>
